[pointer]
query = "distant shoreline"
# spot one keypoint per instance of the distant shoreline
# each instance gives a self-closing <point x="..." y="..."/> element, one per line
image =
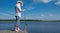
<point x="33" y="20"/>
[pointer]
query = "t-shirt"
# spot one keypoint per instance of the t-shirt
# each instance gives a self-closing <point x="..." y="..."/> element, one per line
<point x="18" y="9"/>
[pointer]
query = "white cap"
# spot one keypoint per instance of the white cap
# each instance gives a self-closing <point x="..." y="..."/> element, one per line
<point x="20" y="2"/>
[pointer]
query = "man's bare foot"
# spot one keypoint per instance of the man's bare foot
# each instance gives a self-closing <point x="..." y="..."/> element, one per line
<point x="18" y="30"/>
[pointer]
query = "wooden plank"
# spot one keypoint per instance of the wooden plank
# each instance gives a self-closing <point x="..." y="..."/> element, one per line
<point x="9" y="31"/>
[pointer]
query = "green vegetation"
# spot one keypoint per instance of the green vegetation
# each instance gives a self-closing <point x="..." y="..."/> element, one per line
<point x="31" y="20"/>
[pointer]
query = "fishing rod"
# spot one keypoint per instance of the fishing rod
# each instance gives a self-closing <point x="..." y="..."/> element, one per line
<point x="25" y="28"/>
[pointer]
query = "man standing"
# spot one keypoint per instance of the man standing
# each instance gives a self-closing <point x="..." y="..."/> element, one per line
<point x="18" y="15"/>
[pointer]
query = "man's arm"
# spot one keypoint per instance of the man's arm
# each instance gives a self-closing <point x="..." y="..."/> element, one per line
<point x="19" y="9"/>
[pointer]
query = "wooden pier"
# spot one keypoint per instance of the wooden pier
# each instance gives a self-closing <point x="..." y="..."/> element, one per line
<point x="9" y="31"/>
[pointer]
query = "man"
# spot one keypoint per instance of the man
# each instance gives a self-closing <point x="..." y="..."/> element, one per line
<point x="18" y="15"/>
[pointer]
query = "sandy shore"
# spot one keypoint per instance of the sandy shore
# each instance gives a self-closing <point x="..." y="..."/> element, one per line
<point x="9" y="31"/>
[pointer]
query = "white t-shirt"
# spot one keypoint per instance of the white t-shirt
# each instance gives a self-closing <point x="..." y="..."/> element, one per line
<point x="18" y="14"/>
<point x="18" y="10"/>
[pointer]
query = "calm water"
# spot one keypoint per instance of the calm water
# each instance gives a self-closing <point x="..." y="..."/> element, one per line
<point x="34" y="27"/>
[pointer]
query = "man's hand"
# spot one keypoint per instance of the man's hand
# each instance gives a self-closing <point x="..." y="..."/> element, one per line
<point x="23" y="9"/>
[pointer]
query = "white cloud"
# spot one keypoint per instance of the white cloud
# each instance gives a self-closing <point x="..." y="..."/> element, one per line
<point x="42" y="15"/>
<point x="29" y="8"/>
<point x="50" y="15"/>
<point x="57" y="3"/>
<point x="46" y="1"/>
<point x="6" y="15"/>
<point x="43" y="1"/>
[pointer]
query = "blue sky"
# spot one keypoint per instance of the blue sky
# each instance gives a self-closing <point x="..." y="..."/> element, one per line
<point x="34" y="9"/>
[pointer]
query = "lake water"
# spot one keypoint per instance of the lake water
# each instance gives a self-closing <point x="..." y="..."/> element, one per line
<point x="34" y="27"/>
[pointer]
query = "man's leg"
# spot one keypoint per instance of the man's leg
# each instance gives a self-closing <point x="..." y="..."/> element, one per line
<point x="17" y="23"/>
